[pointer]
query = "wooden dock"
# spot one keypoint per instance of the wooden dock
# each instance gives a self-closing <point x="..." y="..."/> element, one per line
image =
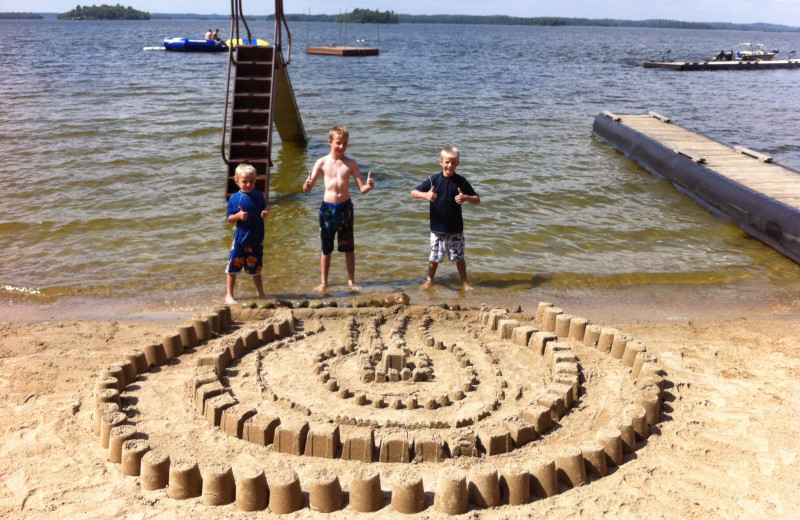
<point x="338" y="50"/>
<point x="724" y="65"/>
<point x="735" y="183"/>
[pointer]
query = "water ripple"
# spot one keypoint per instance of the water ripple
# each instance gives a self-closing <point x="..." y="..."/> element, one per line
<point x="133" y="193"/>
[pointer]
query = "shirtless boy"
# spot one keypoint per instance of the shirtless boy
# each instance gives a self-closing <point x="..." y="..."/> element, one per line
<point x="336" y="212"/>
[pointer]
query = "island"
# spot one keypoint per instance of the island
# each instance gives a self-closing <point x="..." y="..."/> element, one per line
<point x="104" y="12"/>
<point x="368" y="16"/>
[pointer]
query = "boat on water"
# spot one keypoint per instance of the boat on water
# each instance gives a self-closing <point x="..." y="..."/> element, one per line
<point x="194" y="45"/>
<point x="746" y="52"/>
<point x="204" y="45"/>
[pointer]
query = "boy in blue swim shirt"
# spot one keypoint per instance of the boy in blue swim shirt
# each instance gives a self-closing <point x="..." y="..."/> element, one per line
<point x="446" y="192"/>
<point x="247" y="208"/>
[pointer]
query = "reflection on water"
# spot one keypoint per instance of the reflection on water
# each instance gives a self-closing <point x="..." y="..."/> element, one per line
<point x="113" y="180"/>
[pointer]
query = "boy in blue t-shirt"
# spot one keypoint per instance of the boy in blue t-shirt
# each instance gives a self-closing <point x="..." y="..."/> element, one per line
<point x="447" y="191"/>
<point x="248" y="209"/>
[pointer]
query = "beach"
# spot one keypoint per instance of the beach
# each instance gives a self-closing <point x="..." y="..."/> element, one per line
<point x="134" y="245"/>
<point x="726" y="445"/>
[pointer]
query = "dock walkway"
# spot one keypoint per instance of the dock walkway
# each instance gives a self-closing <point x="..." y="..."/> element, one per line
<point x="737" y="183"/>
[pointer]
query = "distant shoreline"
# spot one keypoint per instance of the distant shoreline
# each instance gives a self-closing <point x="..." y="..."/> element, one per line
<point x="548" y="21"/>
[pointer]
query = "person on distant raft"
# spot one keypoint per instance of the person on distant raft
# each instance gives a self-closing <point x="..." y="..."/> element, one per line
<point x="247" y="208"/>
<point x="447" y="191"/>
<point x="215" y="35"/>
<point x="209" y="34"/>
<point x="336" y="212"/>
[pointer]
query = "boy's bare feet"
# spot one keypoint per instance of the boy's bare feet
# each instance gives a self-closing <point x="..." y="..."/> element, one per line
<point x="265" y="296"/>
<point x="427" y="284"/>
<point x="230" y="300"/>
<point x="353" y="287"/>
<point x="321" y="288"/>
<point x="468" y="287"/>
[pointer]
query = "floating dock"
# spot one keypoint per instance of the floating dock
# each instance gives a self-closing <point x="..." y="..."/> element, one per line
<point x="338" y="50"/>
<point x="735" y="183"/>
<point x="724" y="65"/>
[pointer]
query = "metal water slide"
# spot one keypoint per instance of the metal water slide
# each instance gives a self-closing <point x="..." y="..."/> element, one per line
<point x="261" y="95"/>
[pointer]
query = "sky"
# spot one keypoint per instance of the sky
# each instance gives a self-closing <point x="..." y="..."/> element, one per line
<point x="785" y="12"/>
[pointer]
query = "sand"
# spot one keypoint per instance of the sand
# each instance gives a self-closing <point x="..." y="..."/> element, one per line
<point x="726" y="444"/>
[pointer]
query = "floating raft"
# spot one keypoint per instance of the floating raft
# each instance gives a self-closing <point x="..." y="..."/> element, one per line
<point x="724" y="65"/>
<point x="337" y="50"/>
<point x="735" y="183"/>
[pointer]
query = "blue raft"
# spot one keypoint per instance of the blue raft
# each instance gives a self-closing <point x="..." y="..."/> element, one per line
<point x="193" y="45"/>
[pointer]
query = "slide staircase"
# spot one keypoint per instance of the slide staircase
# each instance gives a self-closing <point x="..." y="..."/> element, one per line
<point x="262" y="95"/>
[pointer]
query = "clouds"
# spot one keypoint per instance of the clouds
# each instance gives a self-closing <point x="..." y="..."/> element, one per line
<point x="786" y="12"/>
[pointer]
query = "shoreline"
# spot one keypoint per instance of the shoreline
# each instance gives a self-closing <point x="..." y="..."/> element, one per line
<point x="661" y="303"/>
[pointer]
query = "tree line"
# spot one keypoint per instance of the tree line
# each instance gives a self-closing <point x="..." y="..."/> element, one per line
<point x="355" y="16"/>
<point x="21" y="16"/>
<point x="550" y="21"/>
<point x="368" y="16"/>
<point x="104" y="12"/>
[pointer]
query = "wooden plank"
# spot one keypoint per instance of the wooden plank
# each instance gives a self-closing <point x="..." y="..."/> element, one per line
<point x="744" y="184"/>
<point x="764" y="183"/>
<point x="756" y="173"/>
<point x="339" y="50"/>
<point x="752" y="153"/>
<point x="748" y="170"/>
<point x="688" y="153"/>
<point x="722" y="159"/>
<point x="658" y="116"/>
<point x="741" y="159"/>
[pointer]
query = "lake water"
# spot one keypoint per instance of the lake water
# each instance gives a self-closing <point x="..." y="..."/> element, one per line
<point x="113" y="183"/>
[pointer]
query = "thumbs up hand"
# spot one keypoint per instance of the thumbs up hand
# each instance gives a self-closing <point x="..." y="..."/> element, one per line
<point x="364" y="186"/>
<point x="307" y="185"/>
<point x="460" y="198"/>
<point x="242" y="214"/>
<point x="431" y="195"/>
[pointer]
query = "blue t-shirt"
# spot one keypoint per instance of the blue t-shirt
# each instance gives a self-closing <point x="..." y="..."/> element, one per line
<point x="445" y="211"/>
<point x="250" y="231"/>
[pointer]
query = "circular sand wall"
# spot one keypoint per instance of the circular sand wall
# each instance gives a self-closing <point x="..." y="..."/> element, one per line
<point x="402" y="407"/>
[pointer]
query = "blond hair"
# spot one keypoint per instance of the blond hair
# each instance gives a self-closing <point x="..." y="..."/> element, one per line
<point x="244" y="169"/>
<point x="451" y="152"/>
<point x="338" y="131"/>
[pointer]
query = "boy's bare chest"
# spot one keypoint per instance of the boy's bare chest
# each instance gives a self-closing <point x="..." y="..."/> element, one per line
<point x="338" y="172"/>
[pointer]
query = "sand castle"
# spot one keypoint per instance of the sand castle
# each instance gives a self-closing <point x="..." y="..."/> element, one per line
<point x="391" y="394"/>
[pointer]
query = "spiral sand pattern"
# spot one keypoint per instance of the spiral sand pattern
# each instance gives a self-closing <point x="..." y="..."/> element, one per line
<point x="380" y="388"/>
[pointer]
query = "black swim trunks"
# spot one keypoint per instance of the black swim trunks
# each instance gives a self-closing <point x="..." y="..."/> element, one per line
<point x="336" y="219"/>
